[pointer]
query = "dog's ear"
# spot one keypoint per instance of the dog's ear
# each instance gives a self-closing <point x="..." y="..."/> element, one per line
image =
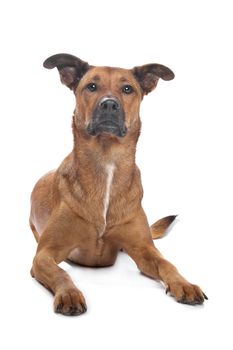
<point x="71" y="68"/>
<point x="149" y="74"/>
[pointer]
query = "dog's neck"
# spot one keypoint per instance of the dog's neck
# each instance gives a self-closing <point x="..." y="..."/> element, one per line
<point x="100" y="156"/>
<point x="102" y="150"/>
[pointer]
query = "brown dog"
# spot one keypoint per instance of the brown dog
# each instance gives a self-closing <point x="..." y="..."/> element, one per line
<point x="90" y="207"/>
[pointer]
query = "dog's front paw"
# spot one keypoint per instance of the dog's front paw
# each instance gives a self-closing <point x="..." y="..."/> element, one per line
<point x="69" y="302"/>
<point x="186" y="293"/>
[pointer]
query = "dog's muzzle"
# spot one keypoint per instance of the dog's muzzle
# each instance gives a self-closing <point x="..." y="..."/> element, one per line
<point x="108" y="117"/>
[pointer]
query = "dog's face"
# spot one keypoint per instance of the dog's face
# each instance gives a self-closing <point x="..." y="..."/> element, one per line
<point x="107" y="98"/>
<point x="108" y="101"/>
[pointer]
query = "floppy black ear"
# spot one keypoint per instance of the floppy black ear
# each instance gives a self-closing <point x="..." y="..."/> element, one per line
<point x="71" y="68"/>
<point x="149" y="74"/>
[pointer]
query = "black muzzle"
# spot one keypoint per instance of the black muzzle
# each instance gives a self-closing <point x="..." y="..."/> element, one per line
<point x="108" y="117"/>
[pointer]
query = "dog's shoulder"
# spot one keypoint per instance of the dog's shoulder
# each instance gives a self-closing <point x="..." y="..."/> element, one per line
<point x="66" y="167"/>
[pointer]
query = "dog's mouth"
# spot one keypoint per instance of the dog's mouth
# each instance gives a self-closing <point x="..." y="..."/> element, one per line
<point x="107" y="126"/>
<point x="107" y="118"/>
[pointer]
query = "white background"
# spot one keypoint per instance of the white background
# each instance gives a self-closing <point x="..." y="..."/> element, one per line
<point x="184" y="153"/>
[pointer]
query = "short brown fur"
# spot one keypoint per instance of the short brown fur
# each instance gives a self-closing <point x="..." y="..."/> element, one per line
<point x="67" y="205"/>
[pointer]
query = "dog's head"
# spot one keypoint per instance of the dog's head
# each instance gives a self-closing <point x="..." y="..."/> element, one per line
<point x="107" y="98"/>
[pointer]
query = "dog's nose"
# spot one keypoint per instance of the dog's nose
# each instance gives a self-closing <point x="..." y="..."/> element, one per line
<point x="109" y="105"/>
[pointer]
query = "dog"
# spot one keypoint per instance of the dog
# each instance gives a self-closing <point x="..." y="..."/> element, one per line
<point x="90" y="207"/>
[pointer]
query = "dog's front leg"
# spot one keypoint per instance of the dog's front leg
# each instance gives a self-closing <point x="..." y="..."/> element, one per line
<point x="68" y="299"/>
<point x="137" y="242"/>
<point x="54" y="246"/>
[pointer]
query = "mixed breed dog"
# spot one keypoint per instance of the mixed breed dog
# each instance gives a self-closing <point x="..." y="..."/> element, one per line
<point x="89" y="209"/>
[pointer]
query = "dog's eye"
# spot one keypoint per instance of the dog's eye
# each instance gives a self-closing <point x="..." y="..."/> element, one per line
<point x="91" y="87"/>
<point x="127" y="89"/>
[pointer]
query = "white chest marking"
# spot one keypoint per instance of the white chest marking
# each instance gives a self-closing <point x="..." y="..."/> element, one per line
<point x="110" y="168"/>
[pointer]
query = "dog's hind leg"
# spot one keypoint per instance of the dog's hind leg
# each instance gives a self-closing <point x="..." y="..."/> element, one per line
<point x="36" y="234"/>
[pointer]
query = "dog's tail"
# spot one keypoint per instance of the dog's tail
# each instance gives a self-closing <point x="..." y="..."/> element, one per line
<point x="158" y="229"/>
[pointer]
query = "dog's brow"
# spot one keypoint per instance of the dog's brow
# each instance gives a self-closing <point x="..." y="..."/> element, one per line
<point x="96" y="78"/>
<point x="123" y="80"/>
